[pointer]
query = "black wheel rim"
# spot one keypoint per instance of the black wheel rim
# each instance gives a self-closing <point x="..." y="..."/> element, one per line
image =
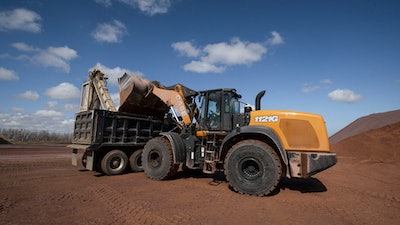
<point x="155" y="159"/>
<point x="139" y="161"/>
<point x="250" y="168"/>
<point x="116" y="163"/>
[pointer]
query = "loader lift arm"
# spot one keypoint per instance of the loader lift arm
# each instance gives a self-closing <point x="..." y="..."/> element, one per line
<point x="139" y="95"/>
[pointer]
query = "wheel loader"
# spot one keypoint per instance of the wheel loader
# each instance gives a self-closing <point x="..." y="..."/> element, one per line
<point x="159" y="129"/>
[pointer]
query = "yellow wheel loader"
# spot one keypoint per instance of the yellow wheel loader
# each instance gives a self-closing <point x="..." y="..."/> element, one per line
<point x="206" y="130"/>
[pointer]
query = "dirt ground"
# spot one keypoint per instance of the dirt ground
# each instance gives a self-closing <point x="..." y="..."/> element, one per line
<point x="38" y="185"/>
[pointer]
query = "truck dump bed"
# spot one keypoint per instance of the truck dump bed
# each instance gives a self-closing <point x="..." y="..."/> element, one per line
<point x="96" y="128"/>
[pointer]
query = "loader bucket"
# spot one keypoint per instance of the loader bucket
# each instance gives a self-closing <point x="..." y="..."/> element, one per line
<point x="136" y="97"/>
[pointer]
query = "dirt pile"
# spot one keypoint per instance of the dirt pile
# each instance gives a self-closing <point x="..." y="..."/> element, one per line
<point x="366" y="123"/>
<point x="381" y="144"/>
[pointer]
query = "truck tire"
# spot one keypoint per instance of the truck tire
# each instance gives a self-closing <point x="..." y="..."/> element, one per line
<point x="114" y="162"/>
<point x="252" y="167"/>
<point x="157" y="159"/>
<point x="135" y="161"/>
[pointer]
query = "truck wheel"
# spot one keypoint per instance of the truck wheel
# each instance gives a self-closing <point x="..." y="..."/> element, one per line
<point x="157" y="159"/>
<point x="135" y="161"/>
<point x="114" y="162"/>
<point x="252" y="167"/>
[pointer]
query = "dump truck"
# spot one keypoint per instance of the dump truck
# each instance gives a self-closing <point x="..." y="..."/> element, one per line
<point x="159" y="129"/>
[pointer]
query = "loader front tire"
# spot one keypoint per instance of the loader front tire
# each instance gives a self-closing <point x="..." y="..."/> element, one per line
<point x="252" y="167"/>
<point x="157" y="159"/>
<point x="114" y="162"/>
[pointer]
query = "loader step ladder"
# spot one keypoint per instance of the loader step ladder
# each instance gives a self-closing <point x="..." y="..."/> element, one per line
<point x="209" y="166"/>
<point x="209" y="163"/>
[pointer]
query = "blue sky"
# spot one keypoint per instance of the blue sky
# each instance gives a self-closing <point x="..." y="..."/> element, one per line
<point x="340" y="59"/>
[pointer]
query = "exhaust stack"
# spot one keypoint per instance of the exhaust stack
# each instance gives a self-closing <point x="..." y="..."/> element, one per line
<point x="258" y="99"/>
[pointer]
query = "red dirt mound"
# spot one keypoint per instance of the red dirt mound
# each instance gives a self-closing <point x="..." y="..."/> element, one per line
<point x="366" y="123"/>
<point x="380" y="144"/>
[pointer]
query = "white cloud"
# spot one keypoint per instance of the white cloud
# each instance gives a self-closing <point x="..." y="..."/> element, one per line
<point x="24" y="47"/>
<point x="62" y="52"/>
<point x="114" y="73"/>
<point x="48" y="113"/>
<point x="234" y="53"/>
<point x="344" y="95"/>
<point x="28" y="95"/>
<point x="5" y="56"/>
<point x="50" y="120"/>
<point x="115" y="98"/>
<point x="202" y="67"/>
<point x="57" y="57"/>
<point x="215" y="58"/>
<point x="310" y="87"/>
<point x="51" y="104"/>
<point x="276" y="39"/>
<point x="150" y="7"/>
<point x="68" y="123"/>
<point x="109" y="32"/>
<point x="20" y="19"/>
<point x="186" y="48"/>
<point x="6" y="74"/>
<point x="63" y="91"/>
<point x="17" y="109"/>
<point x="68" y="107"/>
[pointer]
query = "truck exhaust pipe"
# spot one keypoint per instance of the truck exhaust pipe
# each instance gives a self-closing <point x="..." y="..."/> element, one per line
<point x="258" y="99"/>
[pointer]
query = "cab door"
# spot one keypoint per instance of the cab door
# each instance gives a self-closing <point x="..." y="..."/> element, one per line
<point x="217" y="110"/>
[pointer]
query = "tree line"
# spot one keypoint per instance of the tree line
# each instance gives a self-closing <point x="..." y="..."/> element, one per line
<point x="21" y="136"/>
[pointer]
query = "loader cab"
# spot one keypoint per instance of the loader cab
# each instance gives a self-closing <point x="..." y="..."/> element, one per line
<point x="218" y="107"/>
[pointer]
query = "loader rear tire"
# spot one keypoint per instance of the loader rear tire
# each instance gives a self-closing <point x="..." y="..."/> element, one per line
<point x="157" y="159"/>
<point x="135" y="161"/>
<point x="252" y="167"/>
<point x="114" y="162"/>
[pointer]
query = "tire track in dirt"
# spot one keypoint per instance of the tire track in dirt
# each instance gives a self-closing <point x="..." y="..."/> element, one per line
<point x="315" y="204"/>
<point x="60" y="197"/>
<point x="5" y="205"/>
<point x="362" y="205"/>
<point x="124" y="211"/>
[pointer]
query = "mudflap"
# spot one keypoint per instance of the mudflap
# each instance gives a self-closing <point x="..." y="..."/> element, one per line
<point x="89" y="160"/>
<point x="74" y="157"/>
<point x="306" y="164"/>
